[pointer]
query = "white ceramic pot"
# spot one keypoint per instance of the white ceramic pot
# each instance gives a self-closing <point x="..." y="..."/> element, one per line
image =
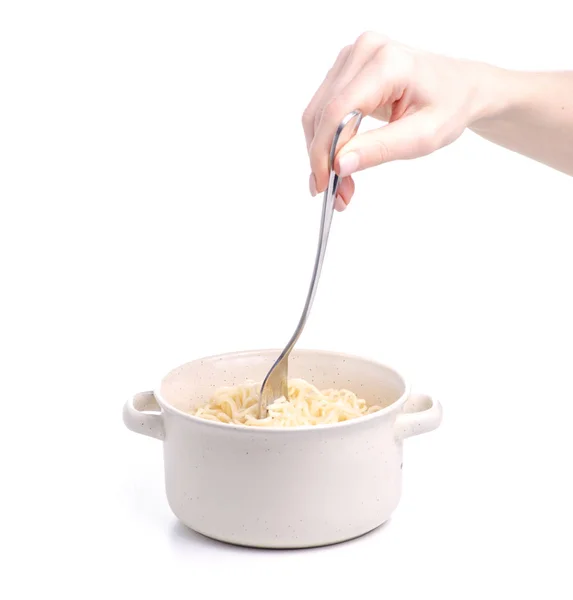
<point x="282" y="487"/>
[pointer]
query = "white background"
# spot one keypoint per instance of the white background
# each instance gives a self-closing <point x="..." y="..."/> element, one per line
<point x="154" y="209"/>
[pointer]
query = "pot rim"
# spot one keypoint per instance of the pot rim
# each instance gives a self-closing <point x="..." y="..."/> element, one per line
<point x="393" y="407"/>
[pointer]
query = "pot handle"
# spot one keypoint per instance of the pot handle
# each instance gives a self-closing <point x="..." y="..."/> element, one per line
<point x="420" y="414"/>
<point x="143" y="415"/>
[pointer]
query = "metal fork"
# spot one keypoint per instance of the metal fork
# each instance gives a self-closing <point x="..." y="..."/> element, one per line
<point x="275" y="384"/>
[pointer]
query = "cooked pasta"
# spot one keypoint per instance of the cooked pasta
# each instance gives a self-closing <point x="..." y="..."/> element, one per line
<point x="306" y="405"/>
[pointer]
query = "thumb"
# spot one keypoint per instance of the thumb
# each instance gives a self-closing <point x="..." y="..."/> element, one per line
<point x="410" y="137"/>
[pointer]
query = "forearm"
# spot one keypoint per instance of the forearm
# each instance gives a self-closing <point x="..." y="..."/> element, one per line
<point x="530" y="113"/>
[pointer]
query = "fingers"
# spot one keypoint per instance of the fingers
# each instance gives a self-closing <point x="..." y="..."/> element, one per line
<point x="379" y="82"/>
<point x="360" y="53"/>
<point x="308" y="116"/>
<point x="345" y="193"/>
<point x="410" y="137"/>
<point x="349" y="62"/>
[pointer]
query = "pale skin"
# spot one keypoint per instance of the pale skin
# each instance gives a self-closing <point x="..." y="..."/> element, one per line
<point x="428" y="101"/>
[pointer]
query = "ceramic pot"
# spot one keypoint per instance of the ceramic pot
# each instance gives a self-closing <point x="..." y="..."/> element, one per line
<point x="282" y="487"/>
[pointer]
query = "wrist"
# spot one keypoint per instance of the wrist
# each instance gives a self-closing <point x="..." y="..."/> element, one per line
<point x="500" y="92"/>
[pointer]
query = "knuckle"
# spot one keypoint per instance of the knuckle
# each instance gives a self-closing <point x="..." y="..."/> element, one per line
<point x="368" y="39"/>
<point x="388" y="53"/>
<point x="329" y="113"/>
<point x="344" y="53"/>
<point x="381" y="55"/>
<point x="340" y="60"/>
<point x="332" y="110"/>
<point x="307" y="118"/>
<point x="317" y="118"/>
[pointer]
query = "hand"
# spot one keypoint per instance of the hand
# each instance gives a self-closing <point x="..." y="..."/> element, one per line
<point x="427" y="100"/>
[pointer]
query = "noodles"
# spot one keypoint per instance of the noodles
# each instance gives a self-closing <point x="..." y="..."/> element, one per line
<point x="306" y="406"/>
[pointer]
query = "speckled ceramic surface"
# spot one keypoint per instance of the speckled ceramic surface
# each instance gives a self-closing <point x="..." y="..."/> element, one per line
<point x="282" y="488"/>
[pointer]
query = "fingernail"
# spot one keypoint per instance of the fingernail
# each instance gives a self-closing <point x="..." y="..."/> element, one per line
<point x="348" y="164"/>
<point x="312" y="185"/>
<point x="339" y="203"/>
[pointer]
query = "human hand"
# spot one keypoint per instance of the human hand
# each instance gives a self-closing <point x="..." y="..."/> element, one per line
<point x="428" y="100"/>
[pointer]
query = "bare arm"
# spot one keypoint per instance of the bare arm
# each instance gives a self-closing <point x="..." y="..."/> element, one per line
<point x="531" y="113"/>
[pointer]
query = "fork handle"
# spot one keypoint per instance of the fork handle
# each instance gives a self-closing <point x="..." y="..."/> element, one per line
<point x="325" y="222"/>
